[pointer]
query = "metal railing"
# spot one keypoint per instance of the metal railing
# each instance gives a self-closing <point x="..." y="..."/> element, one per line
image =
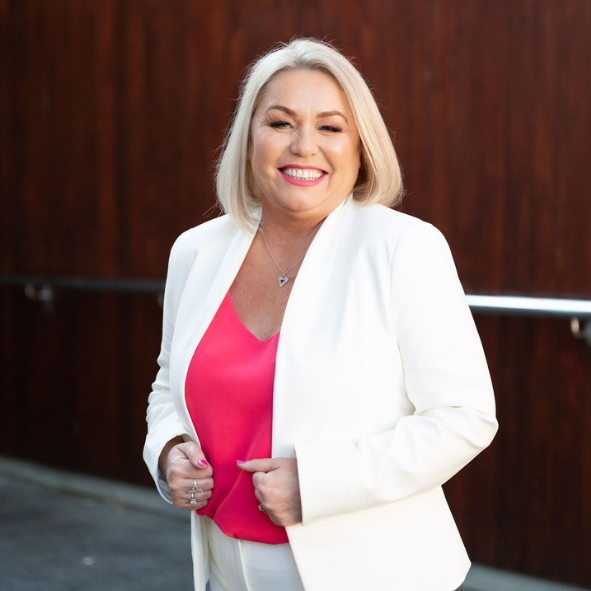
<point x="41" y="288"/>
<point x="526" y="306"/>
<point x="139" y="286"/>
<point x="579" y="311"/>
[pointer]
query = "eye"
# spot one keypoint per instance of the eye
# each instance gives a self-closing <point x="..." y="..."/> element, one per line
<point x="331" y="128"/>
<point x="279" y="124"/>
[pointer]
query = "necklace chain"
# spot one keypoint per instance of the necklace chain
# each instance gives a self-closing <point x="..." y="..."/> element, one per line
<point x="283" y="279"/>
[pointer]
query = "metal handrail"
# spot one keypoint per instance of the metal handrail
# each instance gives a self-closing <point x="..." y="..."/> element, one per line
<point x="579" y="311"/>
<point x="527" y="306"/>
<point x="479" y="304"/>
<point x="146" y="286"/>
<point x="40" y="288"/>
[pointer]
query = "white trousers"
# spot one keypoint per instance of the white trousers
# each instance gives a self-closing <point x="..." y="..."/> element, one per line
<point x="238" y="565"/>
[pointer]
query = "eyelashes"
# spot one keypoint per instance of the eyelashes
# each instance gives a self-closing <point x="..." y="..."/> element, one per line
<point x="332" y="128"/>
<point x="286" y="124"/>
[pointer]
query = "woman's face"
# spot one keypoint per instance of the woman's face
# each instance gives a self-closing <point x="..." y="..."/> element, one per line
<point x="304" y="145"/>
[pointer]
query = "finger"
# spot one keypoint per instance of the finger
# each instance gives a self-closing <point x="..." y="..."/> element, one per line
<point x="182" y="487"/>
<point x="189" y="499"/>
<point x="184" y="497"/>
<point x="188" y="506"/>
<point x="262" y="465"/>
<point x="257" y="479"/>
<point x="182" y="468"/>
<point x="195" y="455"/>
<point x="195" y="484"/>
<point x="186" y="458"/>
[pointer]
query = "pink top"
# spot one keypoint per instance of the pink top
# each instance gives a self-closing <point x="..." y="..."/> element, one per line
<point x="229" y="394"/>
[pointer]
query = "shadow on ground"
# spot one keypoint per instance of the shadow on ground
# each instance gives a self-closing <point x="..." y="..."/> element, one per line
<point x="51" y="541"/>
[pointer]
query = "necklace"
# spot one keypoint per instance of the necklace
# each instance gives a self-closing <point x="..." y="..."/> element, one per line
<point x="283" y="278"/>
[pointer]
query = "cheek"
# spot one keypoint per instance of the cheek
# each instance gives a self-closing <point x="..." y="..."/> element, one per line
<point x="348" y="150"/>
<point x="352" y="157"/>
<point x="357" y="158"/>
<point x="261" y="151"/>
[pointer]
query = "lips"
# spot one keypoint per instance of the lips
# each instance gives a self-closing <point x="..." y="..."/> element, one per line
<point x="302" y="175"/>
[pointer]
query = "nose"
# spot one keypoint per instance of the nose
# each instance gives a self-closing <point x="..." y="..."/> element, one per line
<point x="304" y="143"/>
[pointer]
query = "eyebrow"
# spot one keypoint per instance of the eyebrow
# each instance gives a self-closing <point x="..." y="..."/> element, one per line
<point x="292" y="113"/>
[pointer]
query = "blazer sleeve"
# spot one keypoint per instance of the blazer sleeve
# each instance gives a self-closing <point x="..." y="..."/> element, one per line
<point x="163" y="421"/>
<point x="446" y="379"/>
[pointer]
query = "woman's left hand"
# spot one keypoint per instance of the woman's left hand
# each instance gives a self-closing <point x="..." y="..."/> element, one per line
<point x="277" y="488"/>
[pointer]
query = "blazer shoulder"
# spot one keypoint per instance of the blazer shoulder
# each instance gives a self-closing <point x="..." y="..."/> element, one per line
<point x="205" y="233"/>
<point x="213" y="237"/>
<point x="391" y="226"/>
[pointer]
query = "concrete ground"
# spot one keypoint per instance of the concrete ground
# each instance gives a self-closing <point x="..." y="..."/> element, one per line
<point x="67" y="532"/>
<point x="70" y="533"/>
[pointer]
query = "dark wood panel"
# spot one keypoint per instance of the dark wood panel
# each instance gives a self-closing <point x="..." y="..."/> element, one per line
<point x="523" y="504"/>
<point x="111" y="112"/>
<point x="76" y="376"/>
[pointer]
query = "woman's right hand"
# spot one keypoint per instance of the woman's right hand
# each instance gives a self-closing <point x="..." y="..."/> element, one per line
<point x="183" y="466"/>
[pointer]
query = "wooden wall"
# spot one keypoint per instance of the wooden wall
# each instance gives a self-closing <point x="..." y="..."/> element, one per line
<point x="111" y="112"/>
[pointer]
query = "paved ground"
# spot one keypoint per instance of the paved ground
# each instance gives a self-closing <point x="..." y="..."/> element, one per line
<point x="67" y="532"/>
<point x="52" y="541"/>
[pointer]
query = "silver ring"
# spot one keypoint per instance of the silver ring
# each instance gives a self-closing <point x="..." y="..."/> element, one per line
<point x="195" y="488"/>
<point x="193" y="500"/>
<point x="262" y="508"/>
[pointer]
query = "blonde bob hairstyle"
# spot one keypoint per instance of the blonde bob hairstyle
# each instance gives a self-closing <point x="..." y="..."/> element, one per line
<point x="380" y="178"/>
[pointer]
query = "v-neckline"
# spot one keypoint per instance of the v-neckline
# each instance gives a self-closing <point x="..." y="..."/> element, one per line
<point x="237" y="316"/>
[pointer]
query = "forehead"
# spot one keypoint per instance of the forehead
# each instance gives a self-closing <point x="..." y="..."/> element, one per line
<point x="304" y="89"/>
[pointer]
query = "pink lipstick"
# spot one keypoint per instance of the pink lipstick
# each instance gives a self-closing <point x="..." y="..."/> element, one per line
<point x="301" y="181"/>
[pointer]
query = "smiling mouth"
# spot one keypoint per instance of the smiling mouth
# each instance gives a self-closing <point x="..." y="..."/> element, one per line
<point x="303" y="174"/>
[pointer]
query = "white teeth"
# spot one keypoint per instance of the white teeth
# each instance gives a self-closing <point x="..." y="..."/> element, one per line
<point x="302" y="174"/>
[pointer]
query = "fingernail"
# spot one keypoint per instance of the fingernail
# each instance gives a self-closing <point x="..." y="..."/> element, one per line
<point x="202" y="462"/>
<point x="241" y="461"/>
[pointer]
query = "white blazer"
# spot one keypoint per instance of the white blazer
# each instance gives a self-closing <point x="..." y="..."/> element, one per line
<point x="382" y="392"/>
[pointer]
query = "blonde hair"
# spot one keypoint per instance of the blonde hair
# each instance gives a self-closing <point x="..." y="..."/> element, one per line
<point x="380" y="177"/>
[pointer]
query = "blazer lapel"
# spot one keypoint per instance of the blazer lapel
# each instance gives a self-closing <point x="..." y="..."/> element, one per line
<point x="196" y="311"/>
<point x="293" y="401"/>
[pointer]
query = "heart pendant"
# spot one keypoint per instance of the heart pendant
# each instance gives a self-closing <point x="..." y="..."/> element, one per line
<point x="283" y="280"/>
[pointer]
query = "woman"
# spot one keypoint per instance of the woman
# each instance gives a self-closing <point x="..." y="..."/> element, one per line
<point x="321" y="376"/>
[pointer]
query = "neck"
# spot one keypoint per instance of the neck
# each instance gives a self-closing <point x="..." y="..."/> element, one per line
<point x="290" y="229"/>
<point x="289" y="235"/>
<point x="287" y="243"/>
